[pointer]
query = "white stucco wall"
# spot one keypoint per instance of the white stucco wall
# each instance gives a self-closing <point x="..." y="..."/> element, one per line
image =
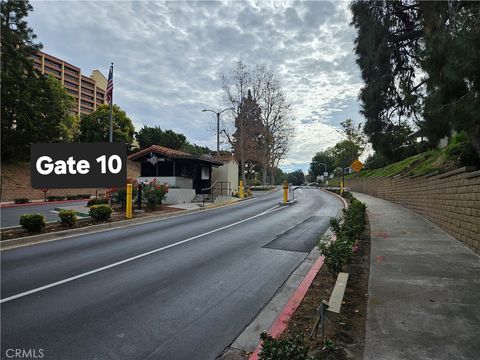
<point x="179" y="196"/>
<point x="180" y="182"/>
<point x="227" y="172"/>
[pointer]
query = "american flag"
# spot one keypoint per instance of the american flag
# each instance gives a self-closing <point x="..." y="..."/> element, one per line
<point x="110" y="86"/>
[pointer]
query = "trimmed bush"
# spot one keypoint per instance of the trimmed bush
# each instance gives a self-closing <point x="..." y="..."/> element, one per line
<point x="32" y="222"/>
<point x="97" y="201"/>
<point x="101" y="212"/>
<point x="55" y="198"/>
<point x="347" y="231"/>
<point x="21" y="201"/>
<point x="84" y="196"/>
<point x="68" y="217"/>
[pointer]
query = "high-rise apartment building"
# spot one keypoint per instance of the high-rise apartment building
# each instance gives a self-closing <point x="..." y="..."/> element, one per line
<point x="88" y="92"/>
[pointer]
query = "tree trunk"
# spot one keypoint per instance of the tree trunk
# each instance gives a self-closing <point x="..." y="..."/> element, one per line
<point x="264" y="175"/>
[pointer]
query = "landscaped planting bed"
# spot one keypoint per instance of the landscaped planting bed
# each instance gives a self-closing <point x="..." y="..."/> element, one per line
<point x="118" y="215"/>
<point x="344" y="337"/>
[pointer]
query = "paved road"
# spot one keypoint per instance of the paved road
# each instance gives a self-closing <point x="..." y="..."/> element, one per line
<point x="186" y="300"/>
<point x="11" y="216"/>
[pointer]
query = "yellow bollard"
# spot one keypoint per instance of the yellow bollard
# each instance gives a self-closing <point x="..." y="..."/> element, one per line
<point x="240" y="190"/>
<point x="285" y="192"/>
<point x="341" y="187"/>
<point x="129" y="209"/>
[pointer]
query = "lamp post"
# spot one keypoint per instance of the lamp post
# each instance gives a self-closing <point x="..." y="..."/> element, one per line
<point x="218" y="113"/>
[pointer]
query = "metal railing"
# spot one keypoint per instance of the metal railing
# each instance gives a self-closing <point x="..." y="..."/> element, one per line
<point x="214" y="187"/>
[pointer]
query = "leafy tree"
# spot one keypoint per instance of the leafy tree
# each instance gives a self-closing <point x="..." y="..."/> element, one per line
<point x="317" y="166"/>
<point x="148" y="136"/>
<point x="388" y="33"/>
<point x="451" y="58"/>
<point x="34" y="108"/>
<point x="296" y="178"/>
<point x="276" y="111"/>
<point x="419" y="61"/>
<point x="345" y="152"/>
<point x="248" y="133"/>
<point x="95" y="126"/>
<point x="354" y="134"/>
<point x="280" y="176"/>
<point x="375" y="161"/>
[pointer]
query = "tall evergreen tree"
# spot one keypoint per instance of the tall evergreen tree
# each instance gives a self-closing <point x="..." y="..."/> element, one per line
<point x="419" y="62"/>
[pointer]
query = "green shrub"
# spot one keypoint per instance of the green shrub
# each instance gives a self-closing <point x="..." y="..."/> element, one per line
<point x="97" y="201"/>
<point x="84" y="196"/>
<point x="120" y="196"/>
<point x="74" y="197"/>
<point x="339" y="253"/>
<point x="32" y="222"/>
<point x="68" y="217"/>
<point x="21" y="201"/>
<point x="462" y="153"/>
<point x="154" y="193"/>
<point x="101" y="212"/>
<point x="283" y="349"/>
<point x="55" y="198"/>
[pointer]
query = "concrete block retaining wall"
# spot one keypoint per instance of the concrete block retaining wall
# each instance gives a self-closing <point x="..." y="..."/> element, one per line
<point x="450" y="200"/>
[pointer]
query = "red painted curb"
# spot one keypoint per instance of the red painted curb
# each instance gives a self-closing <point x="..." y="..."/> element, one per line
<point x="3" y="206"/>
<point x="282" y="320"/>
<point x="280" y="324"/>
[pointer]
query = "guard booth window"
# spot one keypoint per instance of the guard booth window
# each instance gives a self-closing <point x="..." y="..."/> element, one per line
<point x="205" y="173"/>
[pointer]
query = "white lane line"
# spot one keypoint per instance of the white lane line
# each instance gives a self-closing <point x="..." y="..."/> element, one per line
<point x="79" y="276"/>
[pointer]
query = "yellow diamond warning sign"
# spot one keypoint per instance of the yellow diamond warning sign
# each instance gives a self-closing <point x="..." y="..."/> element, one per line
<point x="357" y="165"/>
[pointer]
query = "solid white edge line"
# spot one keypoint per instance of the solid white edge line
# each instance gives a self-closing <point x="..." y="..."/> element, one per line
<point x="29" y="292"/>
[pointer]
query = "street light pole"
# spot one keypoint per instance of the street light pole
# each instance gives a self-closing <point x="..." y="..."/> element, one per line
<point x="218" y="113"/>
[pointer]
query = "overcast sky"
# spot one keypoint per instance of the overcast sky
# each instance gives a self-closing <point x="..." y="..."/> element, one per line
<point x="168" y="59"/>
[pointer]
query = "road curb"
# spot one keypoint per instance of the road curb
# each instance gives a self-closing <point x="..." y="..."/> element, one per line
<point x="65" y="234"/>
<point x="345" y="203"/>
<point x="37" y="203"/>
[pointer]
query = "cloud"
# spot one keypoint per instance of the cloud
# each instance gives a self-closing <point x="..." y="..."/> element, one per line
<point x="168" y="59"/>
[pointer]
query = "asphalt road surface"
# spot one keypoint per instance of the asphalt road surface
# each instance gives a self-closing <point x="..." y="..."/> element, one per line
<point x="11" y="216"/>
<point x="181" y="288"/>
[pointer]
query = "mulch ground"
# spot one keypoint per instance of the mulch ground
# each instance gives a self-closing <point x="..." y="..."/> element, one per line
<point x="348" y="331"/>
<point x="118" y="215"/>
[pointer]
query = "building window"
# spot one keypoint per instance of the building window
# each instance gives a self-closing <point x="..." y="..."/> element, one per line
<point x="205" y="173"/>
<point x="71" y="84"/>
<point x="72" y="70"/>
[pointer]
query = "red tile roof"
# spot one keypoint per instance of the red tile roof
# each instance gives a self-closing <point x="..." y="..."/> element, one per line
<point x="225" y="158"/>
<point x="174" y="154"/>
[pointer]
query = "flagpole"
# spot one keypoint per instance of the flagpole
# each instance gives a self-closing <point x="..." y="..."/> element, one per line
<point x="111" y="110"/>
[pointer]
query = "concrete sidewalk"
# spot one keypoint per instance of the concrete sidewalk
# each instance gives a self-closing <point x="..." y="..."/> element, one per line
<point x="424" y="290"/>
